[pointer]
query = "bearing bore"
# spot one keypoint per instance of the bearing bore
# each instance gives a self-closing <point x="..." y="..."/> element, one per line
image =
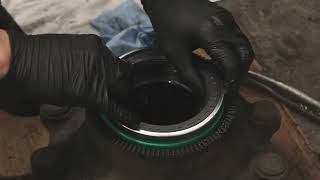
<point x="174" y="119"/>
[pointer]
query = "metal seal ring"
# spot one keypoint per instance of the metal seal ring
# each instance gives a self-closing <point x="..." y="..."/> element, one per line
<point x="208" y="116"/>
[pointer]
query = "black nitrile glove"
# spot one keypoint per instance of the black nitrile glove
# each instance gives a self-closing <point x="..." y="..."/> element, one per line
<point x="61" y="70"/>
<point x="185" y="25"/>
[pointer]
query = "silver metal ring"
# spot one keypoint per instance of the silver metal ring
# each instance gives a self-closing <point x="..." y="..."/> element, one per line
<point x="182" y="132"/>
<point x="202" y="119"/>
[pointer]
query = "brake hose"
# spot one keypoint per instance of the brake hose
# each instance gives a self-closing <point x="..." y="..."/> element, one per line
<point x="290" y="96"/>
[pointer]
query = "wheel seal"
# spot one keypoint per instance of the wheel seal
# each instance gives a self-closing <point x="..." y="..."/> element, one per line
<point x="173" y="144"/>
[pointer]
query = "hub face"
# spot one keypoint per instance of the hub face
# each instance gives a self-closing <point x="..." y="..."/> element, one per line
<point x="89" y="153"/>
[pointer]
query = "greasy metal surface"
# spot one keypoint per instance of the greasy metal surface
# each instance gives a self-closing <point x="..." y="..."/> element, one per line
<point x="269" y="166"/>
<point x="291" y="141"/>
<point x="92" y="154"/>
<point x="286" y="141"/>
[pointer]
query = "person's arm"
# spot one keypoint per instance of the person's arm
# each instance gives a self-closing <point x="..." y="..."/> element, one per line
<point x="5" y="53"/>
<point x="10" y="100"/>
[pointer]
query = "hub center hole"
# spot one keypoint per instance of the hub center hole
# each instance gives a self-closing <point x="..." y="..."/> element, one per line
<point x="165" y="103"/>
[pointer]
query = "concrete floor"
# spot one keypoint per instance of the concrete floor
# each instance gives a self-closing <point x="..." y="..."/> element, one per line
<point x="286" y="38"/>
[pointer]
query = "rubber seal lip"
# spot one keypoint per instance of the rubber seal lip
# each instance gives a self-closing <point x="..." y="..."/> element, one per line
<point x="173" y="144"/>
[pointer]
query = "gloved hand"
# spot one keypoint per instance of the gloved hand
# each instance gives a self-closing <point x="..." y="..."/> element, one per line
<point x="185" y="25"/>
<point x="61" y="70"/>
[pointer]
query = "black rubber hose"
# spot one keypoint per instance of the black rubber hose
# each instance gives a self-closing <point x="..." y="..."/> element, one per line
<point x="290" y="96"/>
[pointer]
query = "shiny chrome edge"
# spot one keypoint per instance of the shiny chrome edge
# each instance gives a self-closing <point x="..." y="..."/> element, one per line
<point x="131" y="52"/>
<point x="175" y="133"/>
<point x="181" y="132"/>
